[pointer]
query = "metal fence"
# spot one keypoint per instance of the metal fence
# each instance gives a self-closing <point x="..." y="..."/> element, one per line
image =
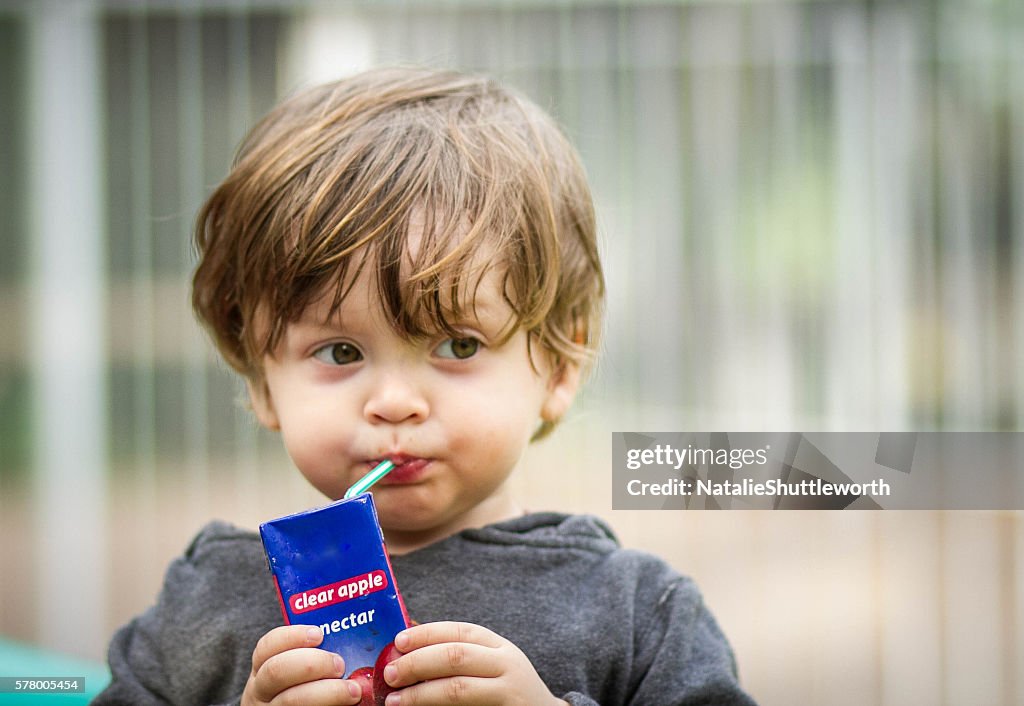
<point x="811" y="219"/>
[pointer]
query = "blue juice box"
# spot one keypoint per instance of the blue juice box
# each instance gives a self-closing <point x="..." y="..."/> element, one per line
<point x="332" y="570"/>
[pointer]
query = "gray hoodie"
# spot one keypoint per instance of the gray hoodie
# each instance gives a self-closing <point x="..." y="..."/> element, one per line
<point x="602" y="625"/>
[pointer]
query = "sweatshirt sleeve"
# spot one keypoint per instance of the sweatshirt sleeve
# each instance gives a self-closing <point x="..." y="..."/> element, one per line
<point x="195" y="645"/>
<point x="687" y="660"/>
<point x="136" y="672"/>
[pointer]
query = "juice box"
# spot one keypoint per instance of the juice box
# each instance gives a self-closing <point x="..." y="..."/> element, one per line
<point x="332" y="570"/>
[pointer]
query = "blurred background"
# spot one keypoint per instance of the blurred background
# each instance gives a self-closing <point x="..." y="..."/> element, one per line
<point x="812" y="219"/>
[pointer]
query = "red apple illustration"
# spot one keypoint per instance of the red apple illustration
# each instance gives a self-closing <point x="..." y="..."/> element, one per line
<point x="380" y="688"/>
<point x="364" y="677"/>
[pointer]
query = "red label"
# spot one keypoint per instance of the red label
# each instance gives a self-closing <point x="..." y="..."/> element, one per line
<point x="316" y="598"/>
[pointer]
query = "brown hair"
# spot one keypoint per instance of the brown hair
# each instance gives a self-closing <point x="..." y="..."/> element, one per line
<point x="344" y="167"/>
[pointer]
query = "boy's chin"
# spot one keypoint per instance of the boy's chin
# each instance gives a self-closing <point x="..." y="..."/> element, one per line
<point x="410" y="525"/>
<point x="407" y="525"/>
<point x="403" y="541"/>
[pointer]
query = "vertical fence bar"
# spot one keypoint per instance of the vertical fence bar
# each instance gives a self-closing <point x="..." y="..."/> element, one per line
<point x="190" y="179"/>
<point x="619" y="70"/>
<point x="652" y="44"/>
<point x="143" y="348"/>
<point x="1014" y="44"/>
<point x="67" y="326"/>
<point x="963" y="404"/>
<point x="971" y="620"/>
<point x="776" y="377"/>
<point x="850" y="369"/>
<point x="246" y="476"/>
<point x="909" y="556"/>
<point x="892" y="149"/>
<point x="1015" y="99"/>
<point x="717" y="57"/>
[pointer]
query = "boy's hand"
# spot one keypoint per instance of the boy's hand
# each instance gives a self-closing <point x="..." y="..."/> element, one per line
<point x="461" y="663"/>
<point x="288" y="668"/>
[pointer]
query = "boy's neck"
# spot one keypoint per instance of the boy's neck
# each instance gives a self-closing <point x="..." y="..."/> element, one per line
<point x="497" y="508"/>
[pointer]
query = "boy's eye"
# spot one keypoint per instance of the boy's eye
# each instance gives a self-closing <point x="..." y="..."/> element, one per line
<point x="458" y="348"/>
<point x="338" y="354"/>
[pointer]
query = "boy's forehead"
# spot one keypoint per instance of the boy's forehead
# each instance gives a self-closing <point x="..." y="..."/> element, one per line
<point x="415" y="233"/>
<point x="438" y="234"/>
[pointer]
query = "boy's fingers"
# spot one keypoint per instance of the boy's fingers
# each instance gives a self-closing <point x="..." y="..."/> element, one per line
<point x="298" y="666"/>
<point x="449" y="659"/>
<point x="294" y="667"/>
<point x="436" y="633"/>
<point x="336" y="692"/>
<point x="285" y="637"/>
<point x="452" y="690"/>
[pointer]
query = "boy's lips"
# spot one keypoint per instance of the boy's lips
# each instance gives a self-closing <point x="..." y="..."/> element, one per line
<point x="408" y="469"/>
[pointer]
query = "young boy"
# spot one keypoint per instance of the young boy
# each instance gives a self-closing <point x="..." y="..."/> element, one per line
<point x="403" y="266"/>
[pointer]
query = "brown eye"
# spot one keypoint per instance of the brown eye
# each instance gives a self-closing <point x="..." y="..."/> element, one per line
<point x="338" y="354"/>
<point x="458" y="348"/>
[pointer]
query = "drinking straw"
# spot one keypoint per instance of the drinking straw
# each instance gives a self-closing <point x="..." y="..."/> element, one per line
<point x="364" y="483"/>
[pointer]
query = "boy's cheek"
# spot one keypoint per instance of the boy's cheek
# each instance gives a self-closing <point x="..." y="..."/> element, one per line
<point x="332" y="480"/>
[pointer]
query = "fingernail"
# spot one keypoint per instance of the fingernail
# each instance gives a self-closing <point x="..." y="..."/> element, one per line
<point x="390" y="672"/>
<point x="314" y="635"/>
<point x="354" y="690"/>
<point x="339" y="665"/>
<point x="392" y="699"/>
<point x="401" y="641"/>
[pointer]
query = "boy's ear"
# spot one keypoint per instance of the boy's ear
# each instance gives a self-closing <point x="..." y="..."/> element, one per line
<point x="562" y="387"/>
<point x="262" y="404"/>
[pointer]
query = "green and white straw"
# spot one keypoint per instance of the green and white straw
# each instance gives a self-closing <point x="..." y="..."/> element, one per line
<point x="364" y="483"/>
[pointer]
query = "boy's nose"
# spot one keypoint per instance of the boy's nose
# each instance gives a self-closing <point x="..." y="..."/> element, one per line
<point x="394" y="400"/>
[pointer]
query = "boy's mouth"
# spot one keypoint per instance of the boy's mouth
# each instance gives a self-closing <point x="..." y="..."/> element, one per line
<point x="407" y="468"/>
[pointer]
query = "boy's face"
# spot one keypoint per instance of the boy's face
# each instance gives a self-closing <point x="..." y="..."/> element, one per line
<point x="453" y="414"/>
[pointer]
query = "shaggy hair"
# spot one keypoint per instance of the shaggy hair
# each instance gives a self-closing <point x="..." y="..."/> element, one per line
<point x="332" y="180"/>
